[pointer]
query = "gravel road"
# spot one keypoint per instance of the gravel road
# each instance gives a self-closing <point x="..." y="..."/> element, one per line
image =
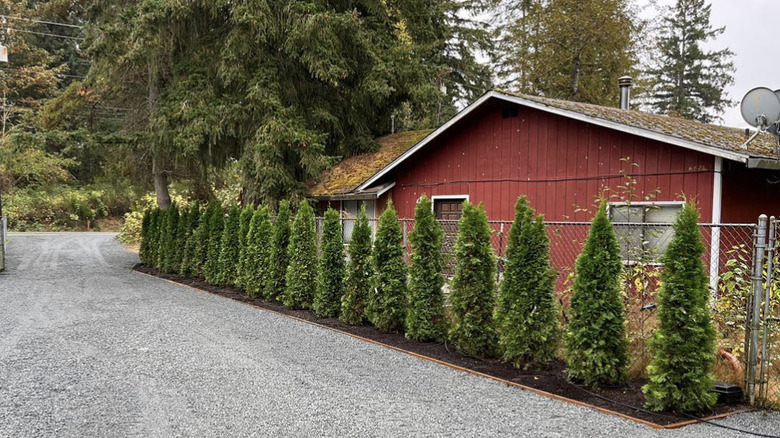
<point x="90" y="348"/>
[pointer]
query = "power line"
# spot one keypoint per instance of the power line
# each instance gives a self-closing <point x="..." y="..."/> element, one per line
<point x="42" y="33"/>
<point x="42" y="22"/>
<point x="55" y="74"/>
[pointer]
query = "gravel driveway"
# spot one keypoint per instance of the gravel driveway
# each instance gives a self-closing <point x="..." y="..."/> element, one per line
<point x="90" y="348"/>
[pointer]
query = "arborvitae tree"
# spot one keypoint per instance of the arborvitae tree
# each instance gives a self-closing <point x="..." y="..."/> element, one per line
<point x="359" y="272"/>
<point x="154" y="233"/>
<point x="143" y="251"/>
<point x="279" y="259"/>
<point x="162" y="233"/>
<point x="683" y="346"/>
<point x="182" y="232"/>
<point x="474" y="285"/>
<point x="201" y="240"/>
<point x="190" y="241"/>
<point x="331" y="269"/>
<point x="386" y="306"/>
<point x="171" y="240"/>
<point x="243" y="233"/>
<point x="527" y="312"/>
<point x="258" y="262"/>
<point x="425" y="317"/>
<point x="229" y="249"/>
<point x="302" y="252"/>
<point x="686" y="79"/>
<point x="214" y="248"/>
<point x="596" y="343"/>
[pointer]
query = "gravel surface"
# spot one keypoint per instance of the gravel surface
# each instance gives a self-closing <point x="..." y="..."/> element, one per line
<point x="90" y="348"/>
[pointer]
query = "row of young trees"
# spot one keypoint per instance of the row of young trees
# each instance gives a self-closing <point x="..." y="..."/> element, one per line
<point x="280" y="260"/>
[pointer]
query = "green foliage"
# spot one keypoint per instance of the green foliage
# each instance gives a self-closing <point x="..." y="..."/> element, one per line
<point x="527" y="312"/>
<point x="189" y="241"/>
<point x="386" y="305"/>
<point x="359" y="272"/>
<point x="331" y="268"/>
<point x="243" y="232"/>
<point x="683" y="346"/>
<point x="143" y="251"/>
<point x="162" y="248"/>
<point x="200" y="241"/>
<point x="153" y="247"/>
<point x="171" y="240"/>
<point x="279" y="259"/>
<point x="302" y="252"/>
<point x="473" y="287"/>
<point x="258" y="263"/>
<point x="216" y="227"/>
<point x="686" y="79"/>
<point x="229" y="250"/>
<point x="425" y="316"/>
<point x="596" y="342"/>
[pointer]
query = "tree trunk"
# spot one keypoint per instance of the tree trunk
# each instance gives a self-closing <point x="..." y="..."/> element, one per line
<point x="575" y="76"/>
<point x="158" y="171"/>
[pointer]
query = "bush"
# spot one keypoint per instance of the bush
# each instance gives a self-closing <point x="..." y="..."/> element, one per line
<point x="214" y="248"/>
<point x="171" y="240"/>
<point x="145" y="223"/>
<point x="359" y="272"/>
<point x="386" y="305"/>
<point x="683" y="346"/>
<point x="258" y="253"/>
<point x="473" y="286"/>
<point x="596" y="343"/>
<point x="243" y="231"/>
<point x="331" y="269"/>
<point x="302" y="253"/>
<point x="279" y="259"/>
<point x="425" y="318"/>
<point x="229" y="249"/>
<point x="201" y="239"/>
<point x="154" y="234"/>
<point x="162" y="248"/>
<point x="527" y="312"/>
<point x="188" y="240"/>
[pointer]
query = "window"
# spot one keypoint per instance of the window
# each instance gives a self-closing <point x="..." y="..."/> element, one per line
<point x="350" y="210"/>
<point x="449" y="208"/>
<point x="638" y="238"/>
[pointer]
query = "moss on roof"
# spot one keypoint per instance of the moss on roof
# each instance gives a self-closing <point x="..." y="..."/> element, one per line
<point x="722" y="137"/>
<point x="347" y="175"/>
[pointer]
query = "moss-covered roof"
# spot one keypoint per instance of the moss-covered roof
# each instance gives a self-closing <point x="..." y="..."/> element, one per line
<point x="722" y="137"/>
<point x="347" y="175"/>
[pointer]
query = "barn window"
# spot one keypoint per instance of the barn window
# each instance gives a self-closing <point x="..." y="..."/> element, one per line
<point x="350" y="210"/>
<point x="640" y="228"/>
<point x="449" y="208"/>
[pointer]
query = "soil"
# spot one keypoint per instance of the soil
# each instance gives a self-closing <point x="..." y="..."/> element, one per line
<point x="625" y="400"/>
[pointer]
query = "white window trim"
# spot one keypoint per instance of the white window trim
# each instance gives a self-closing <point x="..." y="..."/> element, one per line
<point x="680" y="204"/>
<point x="435" y="198"/>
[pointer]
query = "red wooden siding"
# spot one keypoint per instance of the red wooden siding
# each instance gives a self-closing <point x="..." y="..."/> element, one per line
<point x="748" y="193"/>
<point x="559" y="163"/>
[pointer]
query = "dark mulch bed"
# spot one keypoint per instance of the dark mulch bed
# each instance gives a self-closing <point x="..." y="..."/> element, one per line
<point x="626" y="400"/>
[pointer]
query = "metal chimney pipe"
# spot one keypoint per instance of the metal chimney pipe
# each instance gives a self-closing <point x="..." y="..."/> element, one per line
<point x="624" y="82"/>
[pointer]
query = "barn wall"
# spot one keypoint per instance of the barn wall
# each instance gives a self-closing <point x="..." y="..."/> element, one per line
<point x="560" y="164"/>
<point x="748" y="193"/>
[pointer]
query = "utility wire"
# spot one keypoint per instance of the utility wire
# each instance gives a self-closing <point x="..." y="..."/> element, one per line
<point x="55" y="74"/>
<point x="41" y="22"/>
<point x="42" y="33"/>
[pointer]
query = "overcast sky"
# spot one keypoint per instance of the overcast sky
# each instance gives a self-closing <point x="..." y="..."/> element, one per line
<point x="751" y="33"/>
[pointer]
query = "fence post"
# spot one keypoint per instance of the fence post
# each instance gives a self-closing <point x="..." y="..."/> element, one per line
<point x="770" y="255"/>
<point x="500" y="250"/>
<point x="406" y="242"/>
<point x="754" y="313"/>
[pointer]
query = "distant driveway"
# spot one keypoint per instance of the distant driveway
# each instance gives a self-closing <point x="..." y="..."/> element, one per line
<point x="90" y="348"/>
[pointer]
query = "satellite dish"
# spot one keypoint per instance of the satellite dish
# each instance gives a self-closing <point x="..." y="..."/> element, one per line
<point x="773" y="129"/>
<point x="760" y="107"/>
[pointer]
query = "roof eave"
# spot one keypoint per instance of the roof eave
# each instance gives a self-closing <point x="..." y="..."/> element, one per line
<point x="763" y="163"/>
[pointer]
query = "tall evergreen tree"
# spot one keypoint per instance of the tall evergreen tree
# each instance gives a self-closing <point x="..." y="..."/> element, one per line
<point x="386" y="306"/>
<point x="201" y="239"/>
<point x="162" y="233"/>
<point x="425" y="317"/>
<point x="279" y="259"/>
<point x="143" y="251"/>
<point x="683" y="346"/>
<point x="474" y="285"/>
<point x="301" y="273"/>
<point x="359" y="272"/>
<point x="188" y="258"/>
<point x="214" y="247"/>
<point x="527" y="312"/>
<point x="258" y="263"/>
<point x="154" y="235"/>
<point x="331" y="268"/>
<point x="596" y="342"/>
<point x="243" y="232"/>
<point x="170" y="242"/>
<point x="229" y="249"/>
<point x="686" y="79"/>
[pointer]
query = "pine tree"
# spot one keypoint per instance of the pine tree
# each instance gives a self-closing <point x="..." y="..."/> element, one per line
<point x="473" y="287"/>
<point x="331" y="268"/>
<point x="188" y="260"/>
<point x="170" y="242"/>
<point x="596" y="343"/>
<point x="214" y="248"/>
<point x="243" y="233"/>
<point x="386" y="305"/>
<point x="279" y="259"/>
<point x="143" y="251"/>
<point x="301" y="276"/>
<point x="686" y="79"/>
<point x="258" y="262"/>
<point x="425" y="317"/>
<point x="229" y="249"/>
<point x="683" y="346"/>
<point x="527" y="313"/>
<point x="359" y="272"/>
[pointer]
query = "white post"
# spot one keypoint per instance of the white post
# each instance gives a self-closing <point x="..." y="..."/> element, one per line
<point x="717" y="194"/>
